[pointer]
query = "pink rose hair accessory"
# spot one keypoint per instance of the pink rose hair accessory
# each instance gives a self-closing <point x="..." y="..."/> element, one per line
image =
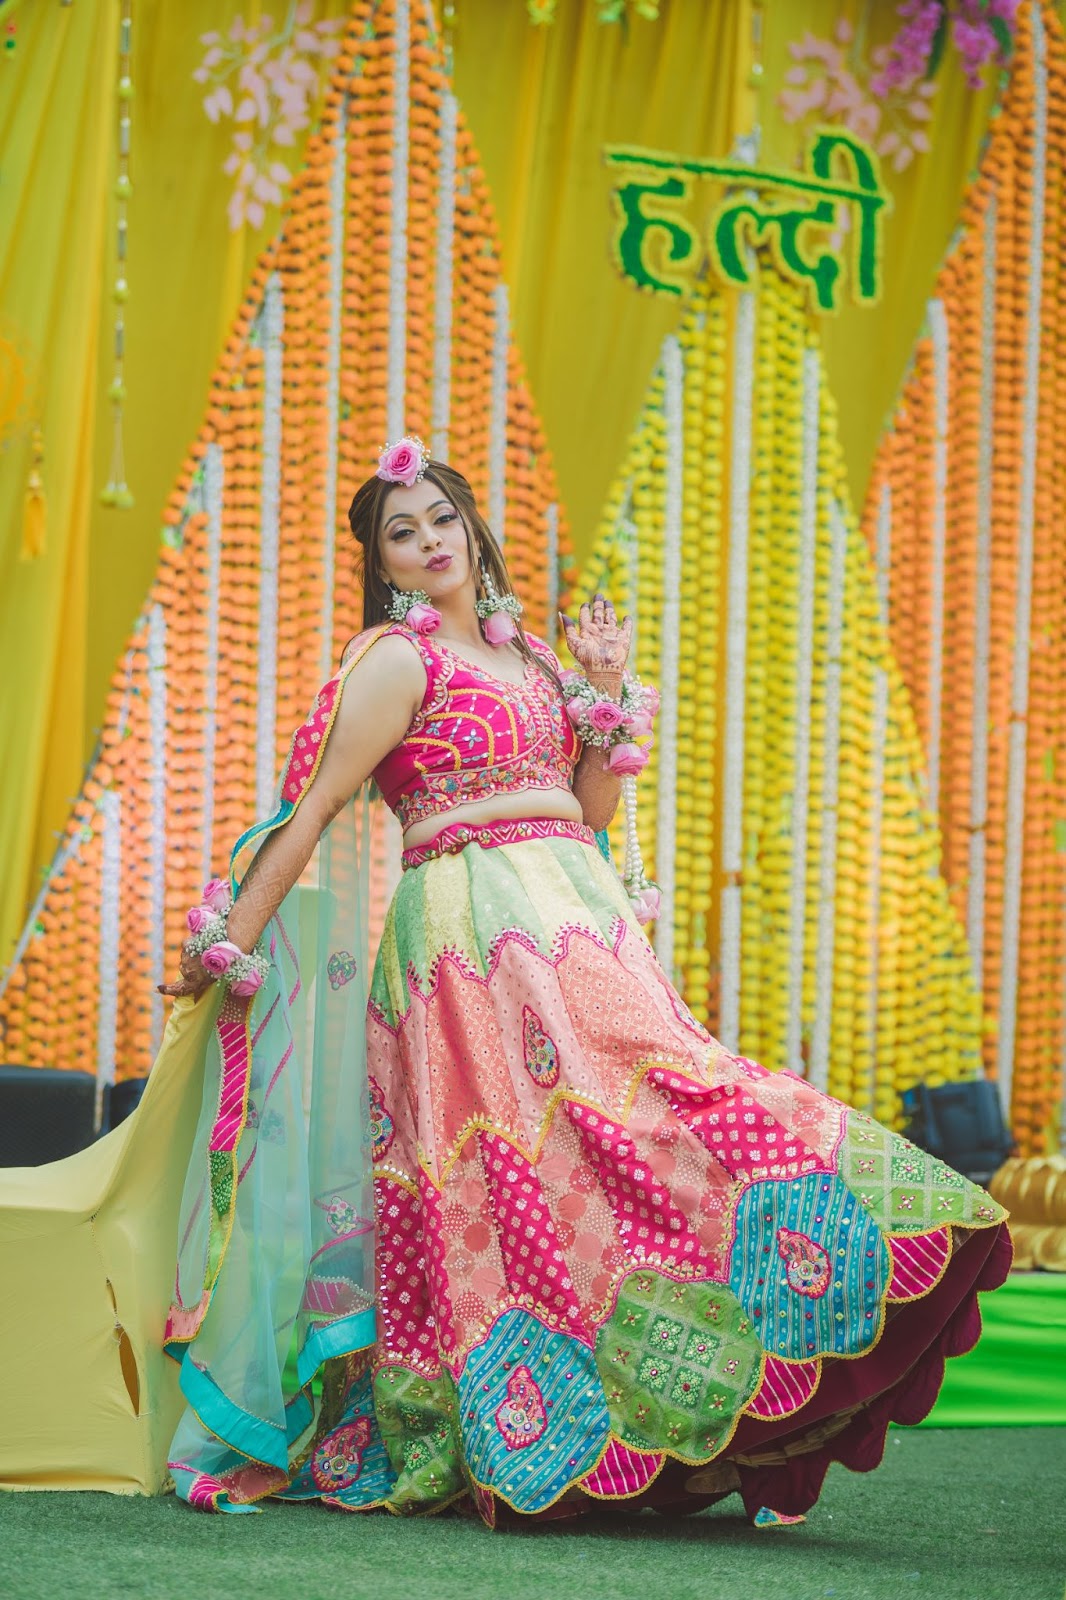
<point x="404" y="462"/>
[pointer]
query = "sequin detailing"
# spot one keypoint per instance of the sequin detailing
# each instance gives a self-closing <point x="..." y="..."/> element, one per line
<point x="476" y="736"/>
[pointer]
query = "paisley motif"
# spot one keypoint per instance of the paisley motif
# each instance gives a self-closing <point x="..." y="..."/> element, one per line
<point x="539" y="1048"/>
<point x="337" y="1461"/>
<point x="341" y="968"/>
<point x="341" y="1216"/>
<point x="522" y="1417"/>
<point x="381" y="1129"/>
<point x="806" y="1263"/>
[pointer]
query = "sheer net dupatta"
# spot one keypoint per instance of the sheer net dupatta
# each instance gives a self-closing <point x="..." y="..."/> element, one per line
<point x="276" y="1243"/>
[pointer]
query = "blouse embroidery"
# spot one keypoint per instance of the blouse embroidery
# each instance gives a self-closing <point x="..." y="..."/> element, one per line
<point x="475" y="736"/>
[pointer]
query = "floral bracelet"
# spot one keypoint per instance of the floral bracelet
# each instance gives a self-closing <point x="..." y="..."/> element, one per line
<point x="226" y="962"/>
<point x="613" y="725"/>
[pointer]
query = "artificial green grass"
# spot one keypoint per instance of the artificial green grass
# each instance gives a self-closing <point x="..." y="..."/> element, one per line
<point x="959" y="1515"/>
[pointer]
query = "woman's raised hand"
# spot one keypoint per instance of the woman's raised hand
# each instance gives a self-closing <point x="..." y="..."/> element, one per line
<point x="597" y="640"/>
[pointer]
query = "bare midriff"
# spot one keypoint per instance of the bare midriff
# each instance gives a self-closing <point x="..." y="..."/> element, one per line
<point x="558" y="802"/>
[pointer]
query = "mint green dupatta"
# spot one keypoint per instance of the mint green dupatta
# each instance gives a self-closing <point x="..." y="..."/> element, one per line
<point x="275" y="1271"/>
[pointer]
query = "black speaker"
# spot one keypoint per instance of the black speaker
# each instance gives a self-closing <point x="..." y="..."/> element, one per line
<point x="962" y="1123"/>
<point x="45" y="1114"/>
<point x="120" y="1099"/>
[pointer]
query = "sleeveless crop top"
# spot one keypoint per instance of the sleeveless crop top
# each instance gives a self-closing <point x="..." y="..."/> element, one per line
<point x="475" y="736"/>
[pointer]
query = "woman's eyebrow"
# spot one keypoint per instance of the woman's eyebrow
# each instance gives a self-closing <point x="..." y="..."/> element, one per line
<point x="402" y="514"/>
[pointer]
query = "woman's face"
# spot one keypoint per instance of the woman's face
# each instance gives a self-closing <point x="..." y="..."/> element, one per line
<point x="423" y="543"/>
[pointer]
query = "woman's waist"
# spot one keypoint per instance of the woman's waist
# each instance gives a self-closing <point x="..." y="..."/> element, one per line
<point x="459" y="836"/>
<point x="540" y="802"/>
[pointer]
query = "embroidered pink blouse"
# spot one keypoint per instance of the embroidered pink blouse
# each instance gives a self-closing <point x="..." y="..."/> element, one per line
<point x="475" y="736"/>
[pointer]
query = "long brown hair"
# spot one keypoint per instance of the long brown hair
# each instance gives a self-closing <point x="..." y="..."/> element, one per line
<point x="366" y="515"/>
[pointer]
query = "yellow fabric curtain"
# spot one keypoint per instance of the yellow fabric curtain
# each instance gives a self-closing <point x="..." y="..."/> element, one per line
<point x="57" y="123"/>
<point x="65" y="616"/>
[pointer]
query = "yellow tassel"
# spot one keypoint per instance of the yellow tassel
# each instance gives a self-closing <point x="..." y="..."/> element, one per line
<point x="34" y="505"/>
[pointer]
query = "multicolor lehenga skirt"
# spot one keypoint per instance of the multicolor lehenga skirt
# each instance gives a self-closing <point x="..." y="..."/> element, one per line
<point x="614" y="1261"/>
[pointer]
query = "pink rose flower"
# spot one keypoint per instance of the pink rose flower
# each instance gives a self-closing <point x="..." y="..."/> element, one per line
<point x="640" y="724"/>
<point x="575" y="710"/>
<point x="626" y="760"/>
<point x="198" y="918"/>
<point x="570" y="676"/>
<point x="498" y="627"/>
<point x="423" y="618"/>
<point x="402" y="462"/>
<point x="216" y="894"/>
<point x="218" y="958"/>
<point x="648" y="904"/>
<point x="605" y="716"/>
<point x="651" y="699"/>
<point x="249" y="984"/>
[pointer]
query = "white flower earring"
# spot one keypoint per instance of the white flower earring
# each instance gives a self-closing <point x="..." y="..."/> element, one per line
<point x="499" y="613"/>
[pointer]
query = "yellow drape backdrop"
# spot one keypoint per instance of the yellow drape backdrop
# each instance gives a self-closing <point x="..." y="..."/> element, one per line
<point x="542" y="102"/>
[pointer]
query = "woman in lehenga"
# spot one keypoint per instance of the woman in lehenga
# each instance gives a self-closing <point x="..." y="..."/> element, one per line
<point x="605" y="1259"/>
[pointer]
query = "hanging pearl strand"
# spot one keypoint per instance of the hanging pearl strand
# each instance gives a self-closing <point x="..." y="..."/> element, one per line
<point x="117" y="492"/>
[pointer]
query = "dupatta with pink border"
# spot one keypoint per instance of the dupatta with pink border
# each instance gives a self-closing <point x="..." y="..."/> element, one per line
<point x="276" y="1242"/>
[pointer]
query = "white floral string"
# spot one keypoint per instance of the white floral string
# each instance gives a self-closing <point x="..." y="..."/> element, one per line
<point x="938" y="328"/>
<point x="878" y="740"/>
<point x="213" y="484"/>
<point x="669" y="668"/>
<point x="157" y="843"/>
<point x="442" y="305"/>
<point x="401" y="154"/>
<point x="272" y="323"/>
<point x="551" y="539"/>
<point x="735" y="673"/>
<point x="501" y="343"/>
<point x="107" y="953"/>
<point x="337" y="189"/>
<point x="1015" y="820"/>
<point x="808" y="543"/>
<point x="818" y="1072"/>
<point x="982" y="622"/>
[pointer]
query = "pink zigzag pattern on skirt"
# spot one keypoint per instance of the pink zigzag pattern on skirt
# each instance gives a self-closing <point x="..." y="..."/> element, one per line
<point x="918" y="1264"/>
<point x="785" y="1387"/>
<point x="622" y="1472"/>
<point x="560" y="950"/>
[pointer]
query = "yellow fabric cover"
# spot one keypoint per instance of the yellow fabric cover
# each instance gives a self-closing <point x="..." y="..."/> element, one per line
<point x="87" y="1253"/>
<point x="1034" y="1191"/>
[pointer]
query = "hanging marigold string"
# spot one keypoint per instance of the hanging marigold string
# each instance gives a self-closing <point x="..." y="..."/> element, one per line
<point x="288" y="442"/>
<point x="999" y="296"/>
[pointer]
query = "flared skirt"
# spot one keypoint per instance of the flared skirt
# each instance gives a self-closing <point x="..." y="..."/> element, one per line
<point x="616" y="1261"/>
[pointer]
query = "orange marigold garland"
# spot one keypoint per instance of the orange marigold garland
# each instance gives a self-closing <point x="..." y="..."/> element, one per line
<point x="298" y="439"/>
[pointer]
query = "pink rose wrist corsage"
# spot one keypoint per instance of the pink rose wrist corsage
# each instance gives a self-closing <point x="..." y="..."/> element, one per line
<point x="614" y="726"/>
<point x="225" y="961"/>
<point x="617" y="727"/>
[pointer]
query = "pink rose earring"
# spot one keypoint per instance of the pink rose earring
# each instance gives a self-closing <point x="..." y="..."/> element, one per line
<point x="499" y="613"/>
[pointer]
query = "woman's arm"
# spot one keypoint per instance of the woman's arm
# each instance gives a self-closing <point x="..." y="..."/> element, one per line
<point x="600" y="644"/>
<point x="380" y="697"/>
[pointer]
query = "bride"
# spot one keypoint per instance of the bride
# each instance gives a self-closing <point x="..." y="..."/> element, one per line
<point x="499" y="1223"/>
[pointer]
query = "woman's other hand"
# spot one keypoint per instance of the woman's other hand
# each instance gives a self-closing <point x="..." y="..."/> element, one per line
<point x="597" y="641"/>
<point x="193" y="981"/>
